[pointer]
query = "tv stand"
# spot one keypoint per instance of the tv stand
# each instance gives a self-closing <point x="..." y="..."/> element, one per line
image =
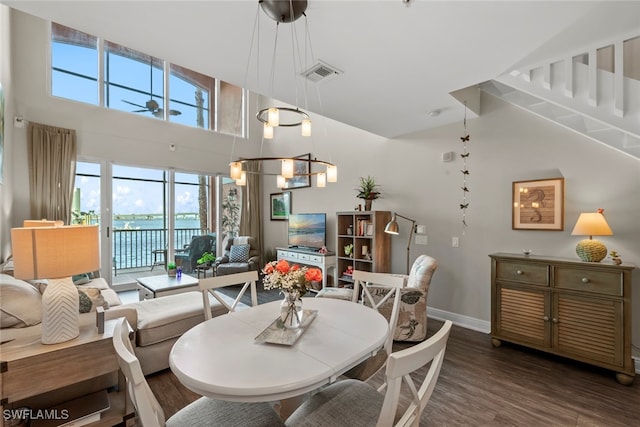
<point x="311" y="258"/>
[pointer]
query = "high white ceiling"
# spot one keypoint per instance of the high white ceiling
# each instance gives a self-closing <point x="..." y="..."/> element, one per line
<point x="399" y="63"/>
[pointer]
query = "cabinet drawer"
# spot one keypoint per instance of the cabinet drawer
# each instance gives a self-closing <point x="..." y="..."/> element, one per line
<point x="287" y="255"/>
<point x="303" y="257"/>
<point x="537" y="274"/>
<point x="602" y="282"/>
<point x="315" y="258"/>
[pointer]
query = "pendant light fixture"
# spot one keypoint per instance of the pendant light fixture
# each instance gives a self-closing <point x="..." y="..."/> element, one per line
<point x="277" y="117"/>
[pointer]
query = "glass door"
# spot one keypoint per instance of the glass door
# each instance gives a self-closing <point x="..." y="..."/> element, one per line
<point x="191" y="216"/>
<point x="139" y="223"/>
<point x="87" y="205"/>
<point x="147" y="216"/>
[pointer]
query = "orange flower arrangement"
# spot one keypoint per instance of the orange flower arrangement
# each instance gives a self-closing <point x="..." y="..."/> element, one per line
<point x="289" y="278"/>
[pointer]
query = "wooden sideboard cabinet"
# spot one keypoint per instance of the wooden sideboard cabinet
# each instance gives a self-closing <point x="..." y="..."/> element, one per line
<point x="579" y="310"/>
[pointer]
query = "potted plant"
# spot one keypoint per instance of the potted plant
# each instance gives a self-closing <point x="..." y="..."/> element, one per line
<point x="171" y="269"/>
<point x="615" y="257"/>
<point x="207" y="258"/>
<point x="348" y="250"/>
<point x="368" y="190"/>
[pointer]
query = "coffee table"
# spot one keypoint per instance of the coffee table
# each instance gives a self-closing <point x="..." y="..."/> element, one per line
<point x="163" y="285"/>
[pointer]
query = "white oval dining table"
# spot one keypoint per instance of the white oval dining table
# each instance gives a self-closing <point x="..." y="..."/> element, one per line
<point x="221" y="359"/>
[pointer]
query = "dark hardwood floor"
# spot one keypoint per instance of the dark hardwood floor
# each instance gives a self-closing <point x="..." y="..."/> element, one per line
<point x="507" y="386"/>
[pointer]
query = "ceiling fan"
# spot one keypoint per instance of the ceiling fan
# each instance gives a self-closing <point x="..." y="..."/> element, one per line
<point x="151" y="105"/>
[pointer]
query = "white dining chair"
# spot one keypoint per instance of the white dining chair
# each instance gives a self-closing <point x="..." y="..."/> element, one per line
<point x="201" y="413"/>
<point x="374" y="290"/>
<point x="211" y="285"/>
<point x="356" y="403"/>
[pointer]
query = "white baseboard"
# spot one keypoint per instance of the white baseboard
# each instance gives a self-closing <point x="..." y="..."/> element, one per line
<point x="460" y="320"/>
<point x="485" y="327"/>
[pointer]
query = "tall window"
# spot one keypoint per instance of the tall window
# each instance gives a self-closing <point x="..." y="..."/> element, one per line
<point x="190" y="96"/>
<point x="192" y="207"/>
<point x="86" y="194"/>
<point x="231" y="109"/>
<point x="74" y="64"/>
<point x="134" y="82"/>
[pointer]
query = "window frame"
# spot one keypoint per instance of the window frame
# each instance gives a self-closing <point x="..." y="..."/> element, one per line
<point x="214" y="94"/>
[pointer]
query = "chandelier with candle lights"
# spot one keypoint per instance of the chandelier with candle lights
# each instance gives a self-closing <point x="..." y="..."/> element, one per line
<point x="285" y="11"/>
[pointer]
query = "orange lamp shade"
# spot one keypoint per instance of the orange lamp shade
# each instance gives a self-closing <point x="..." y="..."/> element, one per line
<point x="54" y="252"/>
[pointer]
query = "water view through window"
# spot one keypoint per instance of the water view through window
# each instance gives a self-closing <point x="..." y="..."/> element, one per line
<point x="140" y="223"/>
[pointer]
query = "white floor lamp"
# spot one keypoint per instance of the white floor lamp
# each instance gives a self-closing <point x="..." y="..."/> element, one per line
<point x="393" y="228"/>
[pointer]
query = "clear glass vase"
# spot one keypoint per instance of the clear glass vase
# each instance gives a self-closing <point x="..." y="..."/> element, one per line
<point x="291" y="310"/>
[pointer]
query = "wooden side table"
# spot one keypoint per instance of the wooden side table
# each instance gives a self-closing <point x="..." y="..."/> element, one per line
<point x="159" y="258"/>
<point x="204" y="268"/>
<point x="39" y="376"/>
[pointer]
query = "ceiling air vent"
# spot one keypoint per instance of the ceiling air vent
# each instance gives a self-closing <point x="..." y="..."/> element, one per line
<point x="321" y="72"/>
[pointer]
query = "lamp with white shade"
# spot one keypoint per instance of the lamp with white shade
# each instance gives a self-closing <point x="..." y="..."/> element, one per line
<point x="591" y="224"/>
<point x="56" y="254"/>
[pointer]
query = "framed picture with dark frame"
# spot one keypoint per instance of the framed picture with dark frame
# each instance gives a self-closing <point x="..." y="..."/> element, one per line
<point x="301" y="169"/>
<point x="538" y="205"/>
<point x="280" y="206"/>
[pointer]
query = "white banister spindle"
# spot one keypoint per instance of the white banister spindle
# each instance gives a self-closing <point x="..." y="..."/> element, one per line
<point x="618" y="79"/>
<point x="546" y="81"/>
<point x="568" y="77"/>
<point x="592" y="80"/>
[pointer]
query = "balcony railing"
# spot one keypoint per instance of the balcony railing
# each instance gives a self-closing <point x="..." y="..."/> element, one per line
<point x="134" y="248"/>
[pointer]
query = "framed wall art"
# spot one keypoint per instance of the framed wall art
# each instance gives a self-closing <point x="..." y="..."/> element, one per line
<point x="280" y="206"/>
<point x="301" y="169"/>
<point x="538" y="204"/>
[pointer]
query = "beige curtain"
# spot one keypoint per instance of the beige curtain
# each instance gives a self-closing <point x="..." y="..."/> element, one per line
<point x="52" y="170"/>
<point x="251" y="217"/>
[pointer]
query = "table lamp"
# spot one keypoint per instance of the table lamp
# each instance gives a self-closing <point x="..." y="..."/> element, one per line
<point x="56" y="254"/>
<point x="41" y="223"/>
<point x="591" y="224"/>
<point x="393" y="228"/>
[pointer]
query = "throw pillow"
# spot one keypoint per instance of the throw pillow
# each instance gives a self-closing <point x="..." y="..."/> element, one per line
<point x="20" y="303"/>
<point x="90" y="299"/>
<point x="239" y="253"/>
<point x="7" y="266"/>
<point x="39" y="284"/>
<point x="81" y="279"/>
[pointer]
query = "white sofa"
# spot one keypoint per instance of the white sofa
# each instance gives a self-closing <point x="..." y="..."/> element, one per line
<point x="157" y="323"/>
<point x="21" y="304"/>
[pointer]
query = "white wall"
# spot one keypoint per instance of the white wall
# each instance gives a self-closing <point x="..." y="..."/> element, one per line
<point x="506" y="145"/>
<point x="6" y="188"/>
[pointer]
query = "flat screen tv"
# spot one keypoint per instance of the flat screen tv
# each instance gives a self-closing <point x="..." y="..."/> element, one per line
<point x="307" y="230"/>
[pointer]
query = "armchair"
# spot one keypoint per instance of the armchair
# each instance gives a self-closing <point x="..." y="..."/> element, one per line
<point x="412" y="317"/>
<point x="198" y="246"/>
<point x="239" y="254"/>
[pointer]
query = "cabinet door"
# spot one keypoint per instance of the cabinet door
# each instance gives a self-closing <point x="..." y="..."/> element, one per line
<point x="588" y="329"/>
<point x="520" y="315"/>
